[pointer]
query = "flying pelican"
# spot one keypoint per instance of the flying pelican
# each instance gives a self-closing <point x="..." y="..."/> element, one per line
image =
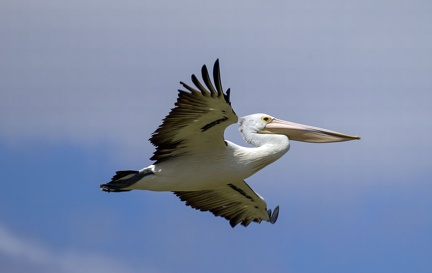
<point x="193" y="160"/>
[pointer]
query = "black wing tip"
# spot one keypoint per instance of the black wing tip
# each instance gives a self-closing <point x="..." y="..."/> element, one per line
<point x="204" y="69"/>
<point x="227" y="96"/>
<point x="273" y="215"/>
<point x="216" y="66"/>
<point x="218" y="82"/>
<point x="205" y="76"/>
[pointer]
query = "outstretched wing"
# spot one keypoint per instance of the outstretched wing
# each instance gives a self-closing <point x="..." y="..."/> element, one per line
<point x="236" y="202"/>
<point x="198" y="120"/>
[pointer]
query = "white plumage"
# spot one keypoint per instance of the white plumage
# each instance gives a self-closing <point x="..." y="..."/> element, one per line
<point x="193" y="160"/>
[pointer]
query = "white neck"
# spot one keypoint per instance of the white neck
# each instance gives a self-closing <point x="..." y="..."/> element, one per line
<point x="269" y="148"/>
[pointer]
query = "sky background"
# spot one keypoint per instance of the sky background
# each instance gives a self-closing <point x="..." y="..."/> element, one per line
<point x="83" y="84"/>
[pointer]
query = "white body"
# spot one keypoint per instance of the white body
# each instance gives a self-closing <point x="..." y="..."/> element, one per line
<point x="214" y="169"/>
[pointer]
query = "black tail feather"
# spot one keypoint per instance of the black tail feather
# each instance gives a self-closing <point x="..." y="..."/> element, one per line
<point x="122" y="174"/>
<point x="125" y="179"/>
<point x="120" y="180"/>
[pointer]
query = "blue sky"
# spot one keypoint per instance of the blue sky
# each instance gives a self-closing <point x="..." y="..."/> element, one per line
<point x="83" y="84"/>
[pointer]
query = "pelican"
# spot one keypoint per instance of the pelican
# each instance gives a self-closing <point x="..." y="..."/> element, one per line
<point x="195" y="162"/>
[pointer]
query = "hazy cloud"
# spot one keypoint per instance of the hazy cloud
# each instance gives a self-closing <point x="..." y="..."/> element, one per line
<point x="20" y="254"/>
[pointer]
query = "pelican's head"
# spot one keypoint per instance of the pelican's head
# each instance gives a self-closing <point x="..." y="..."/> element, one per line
<point x="265" y="124"/>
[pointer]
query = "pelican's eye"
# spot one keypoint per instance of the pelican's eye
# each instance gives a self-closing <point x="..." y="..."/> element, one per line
<point x="266" y="119"/>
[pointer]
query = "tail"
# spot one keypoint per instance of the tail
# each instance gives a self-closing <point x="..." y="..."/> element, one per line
<point x="124" y="179"/>
<point x="121" y="180"/>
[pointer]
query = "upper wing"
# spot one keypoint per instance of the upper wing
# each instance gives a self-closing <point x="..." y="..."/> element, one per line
<point x="198" y="120"/>
<point x="236" y="202"/>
